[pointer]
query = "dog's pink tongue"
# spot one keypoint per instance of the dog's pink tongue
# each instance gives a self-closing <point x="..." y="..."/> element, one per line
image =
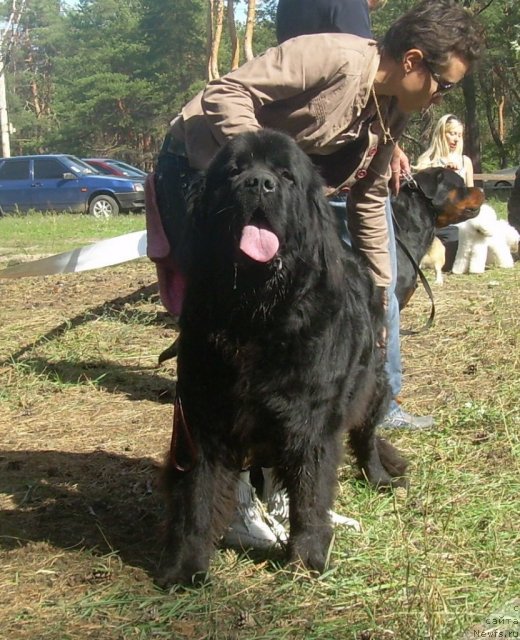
<point x="258" y="243"/>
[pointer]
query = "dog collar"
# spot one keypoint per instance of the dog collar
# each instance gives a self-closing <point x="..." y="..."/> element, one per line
<point x="410" y="181"/>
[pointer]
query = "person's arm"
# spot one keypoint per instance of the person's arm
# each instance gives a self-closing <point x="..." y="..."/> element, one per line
<point x="366" y="204"/>
<point x="367" y="216"/>
<point x="468" y="166"/>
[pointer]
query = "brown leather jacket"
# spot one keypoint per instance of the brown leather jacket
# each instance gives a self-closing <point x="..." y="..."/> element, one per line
<point x="317" y="89"/>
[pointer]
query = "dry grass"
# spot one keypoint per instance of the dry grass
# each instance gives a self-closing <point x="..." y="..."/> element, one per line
<point x="85" y="417"/>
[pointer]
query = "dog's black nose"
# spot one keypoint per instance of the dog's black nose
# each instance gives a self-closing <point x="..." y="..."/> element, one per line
<point x="263" y="182"/>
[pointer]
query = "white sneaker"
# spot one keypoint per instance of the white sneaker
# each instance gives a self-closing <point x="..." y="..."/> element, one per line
<point x="343" y="521"/>
<point x="275" y="497"/>
<point x="278" y="504"/>
<point x="252" y="527"/>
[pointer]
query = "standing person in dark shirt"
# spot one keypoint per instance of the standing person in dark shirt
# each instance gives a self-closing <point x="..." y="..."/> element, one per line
<point x="302" y="17"/>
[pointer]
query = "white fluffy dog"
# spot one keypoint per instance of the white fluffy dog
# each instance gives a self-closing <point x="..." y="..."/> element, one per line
<point x="484" y="240"/>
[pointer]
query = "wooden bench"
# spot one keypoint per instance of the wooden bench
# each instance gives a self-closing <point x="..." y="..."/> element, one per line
<point x="507" y="177"/>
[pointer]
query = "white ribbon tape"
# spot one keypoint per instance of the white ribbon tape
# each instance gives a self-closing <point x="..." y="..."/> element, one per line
<point x="105" y="253"/>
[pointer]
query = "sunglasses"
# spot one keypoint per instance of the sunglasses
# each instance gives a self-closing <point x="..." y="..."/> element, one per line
<point x="442" y="86"/>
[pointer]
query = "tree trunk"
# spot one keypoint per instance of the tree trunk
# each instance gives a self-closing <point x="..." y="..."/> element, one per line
<point x="216" y="22"/>
<point x="506" y="82"/>
<point x="489" y="100"/>
<point x="472" y="130"/>
<point x="235" y="43"/>
<point x="501" y="120"/>
<point x="6" y="41"/>
<point x="250" y="24"/>
<point x="209" y="38"/>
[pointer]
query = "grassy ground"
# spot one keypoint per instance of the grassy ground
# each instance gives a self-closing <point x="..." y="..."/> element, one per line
<point x="85" y="417"/>
<point x="23" y="236"/>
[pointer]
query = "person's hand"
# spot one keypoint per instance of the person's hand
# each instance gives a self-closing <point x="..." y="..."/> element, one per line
<point x="400" y="166"/>
<point x="452" y="165"/>
<point x="329" y="191"/>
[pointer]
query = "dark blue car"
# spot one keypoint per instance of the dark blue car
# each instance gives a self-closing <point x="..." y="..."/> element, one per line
<point x="61" y="182"/>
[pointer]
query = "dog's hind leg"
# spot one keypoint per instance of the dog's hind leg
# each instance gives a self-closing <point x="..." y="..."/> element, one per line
<point x="379" y="461"/>
<point x="393" y="462"/>
<point x="364" y="448"/>
<point x="376" y="458"/>
<point x="499" y="252"/>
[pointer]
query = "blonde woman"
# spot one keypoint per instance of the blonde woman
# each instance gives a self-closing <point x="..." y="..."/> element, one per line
<point x="445" y="149"/>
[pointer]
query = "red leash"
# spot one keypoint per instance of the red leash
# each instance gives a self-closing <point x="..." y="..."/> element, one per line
<point x="181" y="431"/>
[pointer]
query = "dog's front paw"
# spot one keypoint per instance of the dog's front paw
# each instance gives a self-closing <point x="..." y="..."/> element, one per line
<point x="183" y="576"/>
<point x="190" y="569"/>
<point x="311" y="552"/>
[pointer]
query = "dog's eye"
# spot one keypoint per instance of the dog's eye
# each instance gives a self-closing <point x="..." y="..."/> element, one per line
<point x="287" y="175"/>
<point x="234" y="171"/>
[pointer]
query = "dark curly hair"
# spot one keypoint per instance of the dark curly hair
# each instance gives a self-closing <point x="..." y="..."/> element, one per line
<point x="439" y="28"/>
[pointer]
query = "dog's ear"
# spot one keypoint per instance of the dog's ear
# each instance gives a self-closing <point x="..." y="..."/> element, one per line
<point x="428" y="181"/>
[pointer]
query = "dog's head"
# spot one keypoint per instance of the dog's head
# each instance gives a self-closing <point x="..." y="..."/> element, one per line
<point x="451" y="200"/>
<point x="263" y="203"/>
<point x="485" y="223"/>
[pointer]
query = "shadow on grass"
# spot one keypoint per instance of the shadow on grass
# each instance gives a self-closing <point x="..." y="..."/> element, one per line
<point x="137" y="383"/>
<point x="115" y="308"/>
<point x="101" y="501"/>
<point x="98" y="501"/>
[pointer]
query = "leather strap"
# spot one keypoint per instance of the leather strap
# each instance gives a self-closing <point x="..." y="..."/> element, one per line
<point x="424" y="281"/>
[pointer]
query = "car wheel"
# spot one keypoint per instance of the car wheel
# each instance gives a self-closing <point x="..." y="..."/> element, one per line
<point x="103" y="207"/>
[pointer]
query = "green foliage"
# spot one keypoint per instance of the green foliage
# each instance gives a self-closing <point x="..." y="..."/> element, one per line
<point x="174" y="33"/>
<point x="104" y="77"/>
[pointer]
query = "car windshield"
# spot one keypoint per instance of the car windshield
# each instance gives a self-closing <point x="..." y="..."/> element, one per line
<point x="127" y="169"/>
<point x="78" y="166"/>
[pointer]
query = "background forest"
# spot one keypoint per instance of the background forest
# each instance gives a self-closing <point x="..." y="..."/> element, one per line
<point x="104" y="77"/>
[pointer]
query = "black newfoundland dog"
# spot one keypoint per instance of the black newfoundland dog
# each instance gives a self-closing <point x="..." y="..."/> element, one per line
<point x="277" y="358"/>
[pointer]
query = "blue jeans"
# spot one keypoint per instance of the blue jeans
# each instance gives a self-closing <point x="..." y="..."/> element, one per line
<point x="393" y="349"/>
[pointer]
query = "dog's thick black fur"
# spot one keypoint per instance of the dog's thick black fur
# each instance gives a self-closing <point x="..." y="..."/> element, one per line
<point x="277" y="355"/>
<point x="438" y="198"/>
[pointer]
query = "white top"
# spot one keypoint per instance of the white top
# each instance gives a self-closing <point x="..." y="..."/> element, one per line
<point x="460" y="164"/>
